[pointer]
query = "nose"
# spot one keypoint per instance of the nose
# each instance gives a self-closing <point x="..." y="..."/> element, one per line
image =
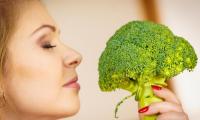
<point x="72" y="59"/>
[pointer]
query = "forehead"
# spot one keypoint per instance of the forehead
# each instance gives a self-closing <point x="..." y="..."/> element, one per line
<point x="32" y="15"/>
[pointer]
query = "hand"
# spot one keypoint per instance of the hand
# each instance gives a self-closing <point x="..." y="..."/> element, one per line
<point x="169" y="109"/>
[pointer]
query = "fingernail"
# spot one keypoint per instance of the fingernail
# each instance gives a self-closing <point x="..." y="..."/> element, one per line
<point x="144" y="109"/>
<point x="156" y="87"/>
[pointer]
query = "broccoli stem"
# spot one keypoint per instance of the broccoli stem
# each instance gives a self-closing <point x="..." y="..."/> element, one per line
<point x="117" y="106"/>
<point x="144" y="93"/>
<point x="146" y="97"/>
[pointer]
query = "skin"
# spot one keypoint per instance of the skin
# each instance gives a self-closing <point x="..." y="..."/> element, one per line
<point x="170" y="109"/>
<point x="33" y="87"/>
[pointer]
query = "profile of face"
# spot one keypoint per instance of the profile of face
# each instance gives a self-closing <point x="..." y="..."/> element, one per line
<point x="42" y="74"/>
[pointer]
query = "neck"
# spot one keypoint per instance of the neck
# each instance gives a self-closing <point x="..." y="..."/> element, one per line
<point x="7" y="114"/>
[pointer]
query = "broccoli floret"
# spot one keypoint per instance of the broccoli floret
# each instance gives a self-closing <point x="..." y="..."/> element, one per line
<point x="141" y="54"/>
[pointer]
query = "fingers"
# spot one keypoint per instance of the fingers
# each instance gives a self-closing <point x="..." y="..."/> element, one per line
<point x="173" y="116"/>
<point x="170" y="109"/>
<point x="166" y="94"/>
<point x="162" y="107"/>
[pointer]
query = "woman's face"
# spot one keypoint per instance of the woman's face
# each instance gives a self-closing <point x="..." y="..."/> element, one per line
<point x="37" y="74"/>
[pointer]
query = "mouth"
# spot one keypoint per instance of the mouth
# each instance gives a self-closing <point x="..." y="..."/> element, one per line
<point x="72" y="83"/>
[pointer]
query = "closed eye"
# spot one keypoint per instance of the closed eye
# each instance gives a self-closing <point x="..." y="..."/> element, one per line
<point x="48" y="46"/>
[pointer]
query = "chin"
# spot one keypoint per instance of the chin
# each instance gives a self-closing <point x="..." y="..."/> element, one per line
<point x="73" y="110"/>
<point x="69" y="108"/>
<point x="66" y="105"/>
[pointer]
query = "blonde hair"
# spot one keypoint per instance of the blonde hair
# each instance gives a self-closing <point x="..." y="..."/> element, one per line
<point x="9" y="15"/>
<point x="8" y="20"/>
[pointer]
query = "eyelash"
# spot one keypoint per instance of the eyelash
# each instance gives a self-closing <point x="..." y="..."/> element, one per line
<point x="48" y="46"/>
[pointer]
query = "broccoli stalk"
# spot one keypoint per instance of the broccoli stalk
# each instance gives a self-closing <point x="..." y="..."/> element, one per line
<point x="141" y="54"/>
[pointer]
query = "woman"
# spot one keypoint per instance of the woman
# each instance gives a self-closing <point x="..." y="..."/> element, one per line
<point x="38" y="76"/>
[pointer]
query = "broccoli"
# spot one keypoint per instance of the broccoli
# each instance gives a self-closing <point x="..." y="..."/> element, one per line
<point x="141" y="54"/>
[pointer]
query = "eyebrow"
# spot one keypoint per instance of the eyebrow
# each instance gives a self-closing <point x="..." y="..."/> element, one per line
<point x="53" y="28"/>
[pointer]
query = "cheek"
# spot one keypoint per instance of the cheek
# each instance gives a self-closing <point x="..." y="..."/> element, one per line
<point x="35" y="83"/>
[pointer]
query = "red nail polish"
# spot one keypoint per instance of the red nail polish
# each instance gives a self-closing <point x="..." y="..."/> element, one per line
<point x="156" y="87"/>
<point x="144" y="109"/>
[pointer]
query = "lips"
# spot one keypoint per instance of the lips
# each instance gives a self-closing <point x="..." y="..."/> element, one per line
<point x="72" y="83"/>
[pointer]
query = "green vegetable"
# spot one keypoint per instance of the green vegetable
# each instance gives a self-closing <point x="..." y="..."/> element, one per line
<point x="141" y="54"/>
